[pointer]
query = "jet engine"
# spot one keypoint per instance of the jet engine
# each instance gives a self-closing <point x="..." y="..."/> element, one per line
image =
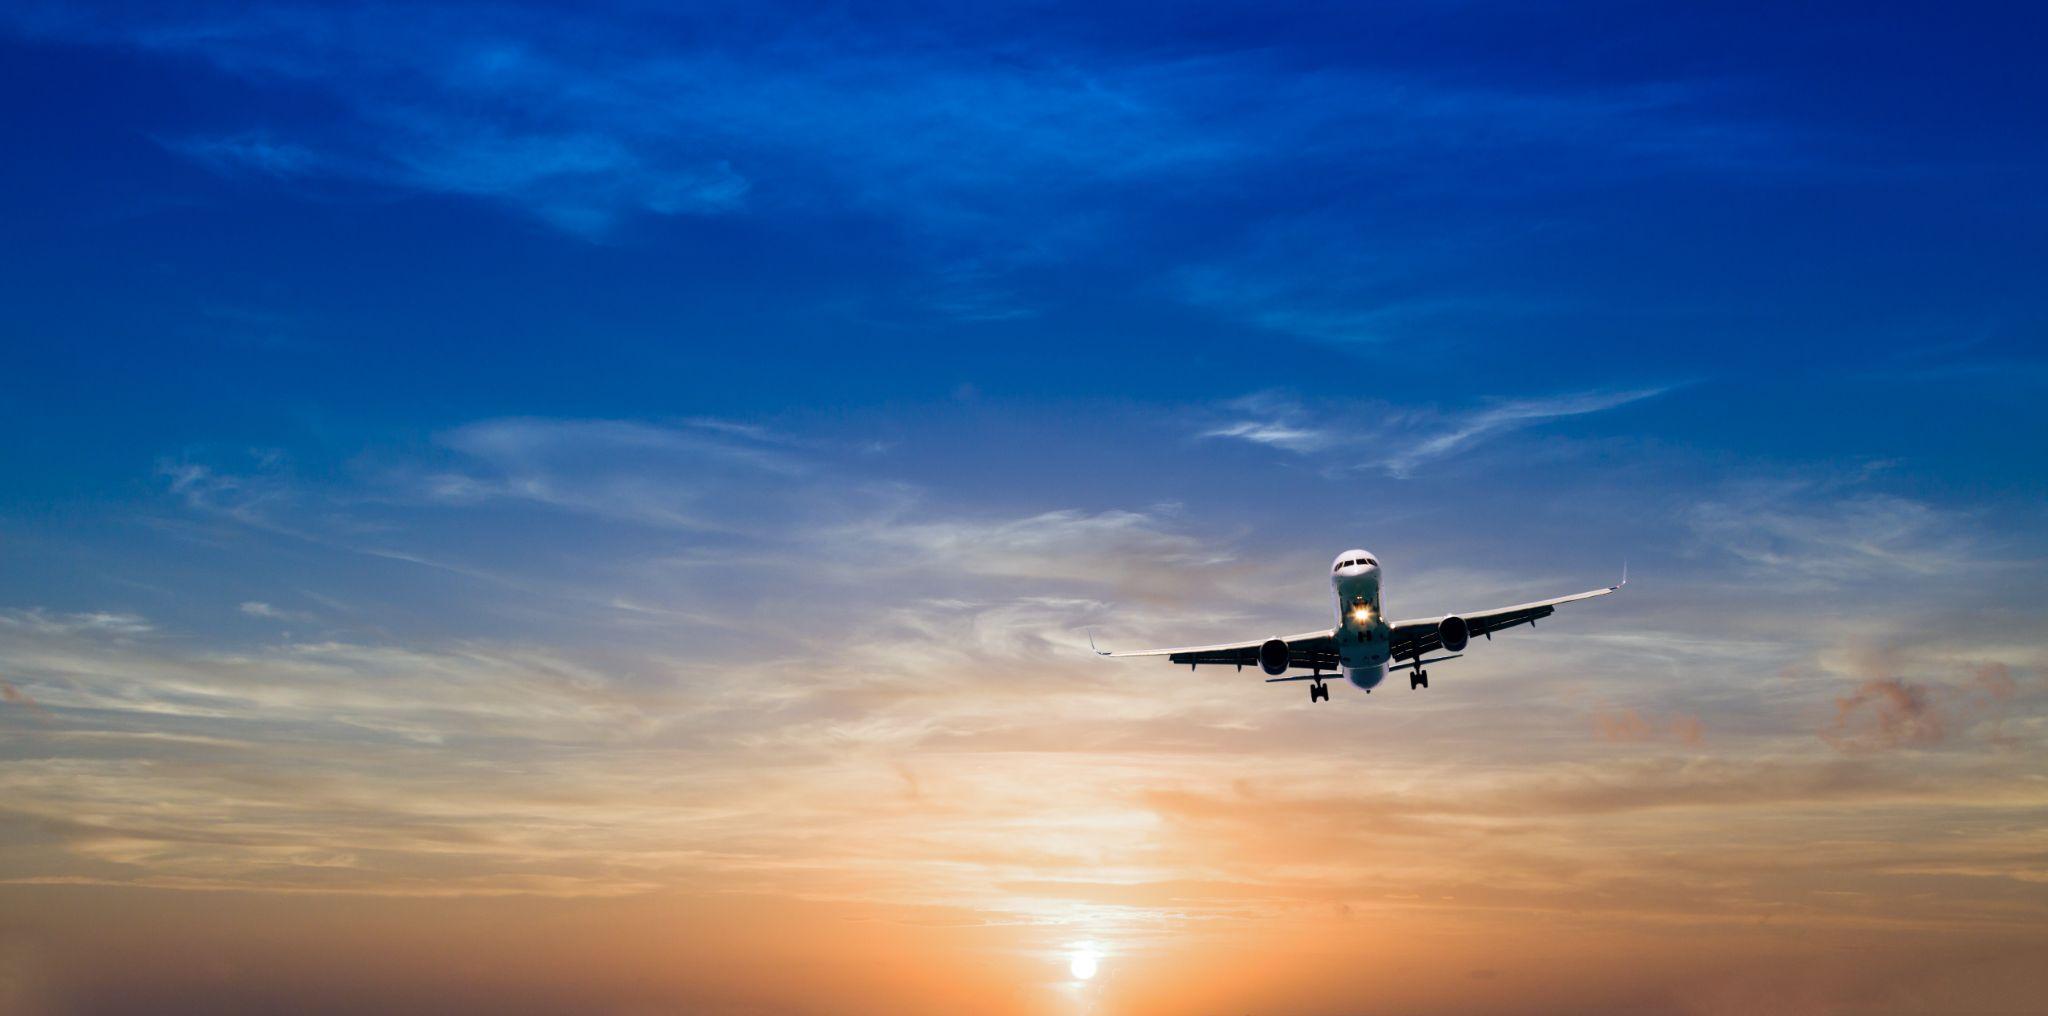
<point x="1273" y="657"/>
<point x="1453" y="632"/>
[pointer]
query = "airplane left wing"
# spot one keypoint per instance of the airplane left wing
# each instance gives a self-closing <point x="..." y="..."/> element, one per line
<point x="1315" y="650"/>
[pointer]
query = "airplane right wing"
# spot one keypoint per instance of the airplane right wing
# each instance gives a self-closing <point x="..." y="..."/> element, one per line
<point x="1314" y="650"/>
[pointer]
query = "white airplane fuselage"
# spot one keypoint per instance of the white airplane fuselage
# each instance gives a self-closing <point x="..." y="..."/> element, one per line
<point x="1363" y="635"/>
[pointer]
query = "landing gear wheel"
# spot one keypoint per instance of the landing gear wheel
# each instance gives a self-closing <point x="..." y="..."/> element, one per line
<point x="1419" y="679"/>
<point x="1319" y="692"/>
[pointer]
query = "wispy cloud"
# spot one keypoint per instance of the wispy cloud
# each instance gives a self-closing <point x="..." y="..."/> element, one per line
<point x="680" y="476"/>
<point x="727" y="496"/>
<point x="1468" y="429"/>
<point x="1135" y="554"/>
<point x="1817" y="531"/>
<point x="257" y="608"/>
<point x="97" y="623"/>
<point x="586" y="118"/>
<point x="250" y="152"/>
<point x="580" y="121"/>
<point x="1274" y="419"/>
<point x="254" y="488"/>
<point x="1279" y="435"/>
<point x="1398" y="441"/>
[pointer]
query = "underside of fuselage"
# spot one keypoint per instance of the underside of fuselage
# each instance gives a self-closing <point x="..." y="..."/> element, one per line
<point x="1366" y="677"/>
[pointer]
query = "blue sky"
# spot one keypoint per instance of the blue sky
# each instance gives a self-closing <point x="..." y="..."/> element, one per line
<point x="491" y="382"/>
<point x="1031" y="260"/>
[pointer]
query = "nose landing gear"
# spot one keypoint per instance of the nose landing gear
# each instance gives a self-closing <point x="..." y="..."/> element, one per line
<point x="1319" y="692"/>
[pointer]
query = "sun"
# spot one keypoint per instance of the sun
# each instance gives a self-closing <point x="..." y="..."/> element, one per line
<point x="1082" y="963"/>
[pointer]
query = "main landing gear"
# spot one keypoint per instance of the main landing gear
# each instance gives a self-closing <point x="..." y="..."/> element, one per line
<point x="1418" y="679"/>
<point x="1319" y="692"/>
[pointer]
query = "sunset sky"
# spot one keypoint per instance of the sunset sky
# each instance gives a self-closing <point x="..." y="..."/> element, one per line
<point x="532" y="509"/>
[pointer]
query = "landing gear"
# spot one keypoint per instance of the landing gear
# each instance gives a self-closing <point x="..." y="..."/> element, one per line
<point x="1319" y="692"/>
<point x="1419" y="679"/>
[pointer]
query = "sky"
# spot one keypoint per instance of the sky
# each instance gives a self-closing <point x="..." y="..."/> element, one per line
<point x="602" y="507"/>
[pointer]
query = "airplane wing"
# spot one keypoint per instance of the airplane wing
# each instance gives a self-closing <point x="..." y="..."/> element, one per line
<point x="1313" y="650"/>
<point x="1411" y="639"/>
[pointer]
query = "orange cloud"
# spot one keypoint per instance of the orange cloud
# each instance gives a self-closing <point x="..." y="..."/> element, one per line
<point x="21" y="698"/>
<point x="1885" y="713"/>
<point x="1626" y="725"/>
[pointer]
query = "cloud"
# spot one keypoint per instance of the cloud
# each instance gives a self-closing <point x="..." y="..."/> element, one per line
<point x="1398" y="442"/>
<point x="255" y="152"/>
<point x="1388" y="269"/>
<point x="1273" y="419"/>
<point x="1822" y="533"/>
<point x="254" y="498"/>
<point x="581" y="183"/>
<point x="728" y="490"/>
<point x="1507" y="415"/>
<point x="1688" y="729"/>
<point x="586" y="118"/>
<point x="695" y="475"/>
<point x="1886" y="713"/>
<point x="98" y="623"/>
<point x="10" y="693"/>
<point x="406" y="692"/>
<point x="1917" y="695"/>
<point x="529" y="441"/>
<point x="1992" y="682"/>
<point x="1293" y="439"/>
<point x="583" y="120"/>
<point x="1300" y="281"/>
<point x="1626" y="725"/>
<point x="699" y="475"/>
<point x="1070" y="545"/>
<point x="257" y="608"/>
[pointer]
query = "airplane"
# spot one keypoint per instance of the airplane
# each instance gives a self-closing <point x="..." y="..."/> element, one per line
<point x="1364" y="645"/>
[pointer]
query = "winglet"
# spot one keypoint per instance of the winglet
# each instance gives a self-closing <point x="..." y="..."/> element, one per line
<point x="1091" y="643"/>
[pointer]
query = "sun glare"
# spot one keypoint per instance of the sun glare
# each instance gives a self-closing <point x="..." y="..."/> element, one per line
<point x="1083" y="962"/>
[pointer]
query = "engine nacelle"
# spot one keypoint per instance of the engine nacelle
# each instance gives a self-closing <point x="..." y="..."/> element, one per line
<point x="1453" y="632"/>
<point x="1273" y="657"/>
